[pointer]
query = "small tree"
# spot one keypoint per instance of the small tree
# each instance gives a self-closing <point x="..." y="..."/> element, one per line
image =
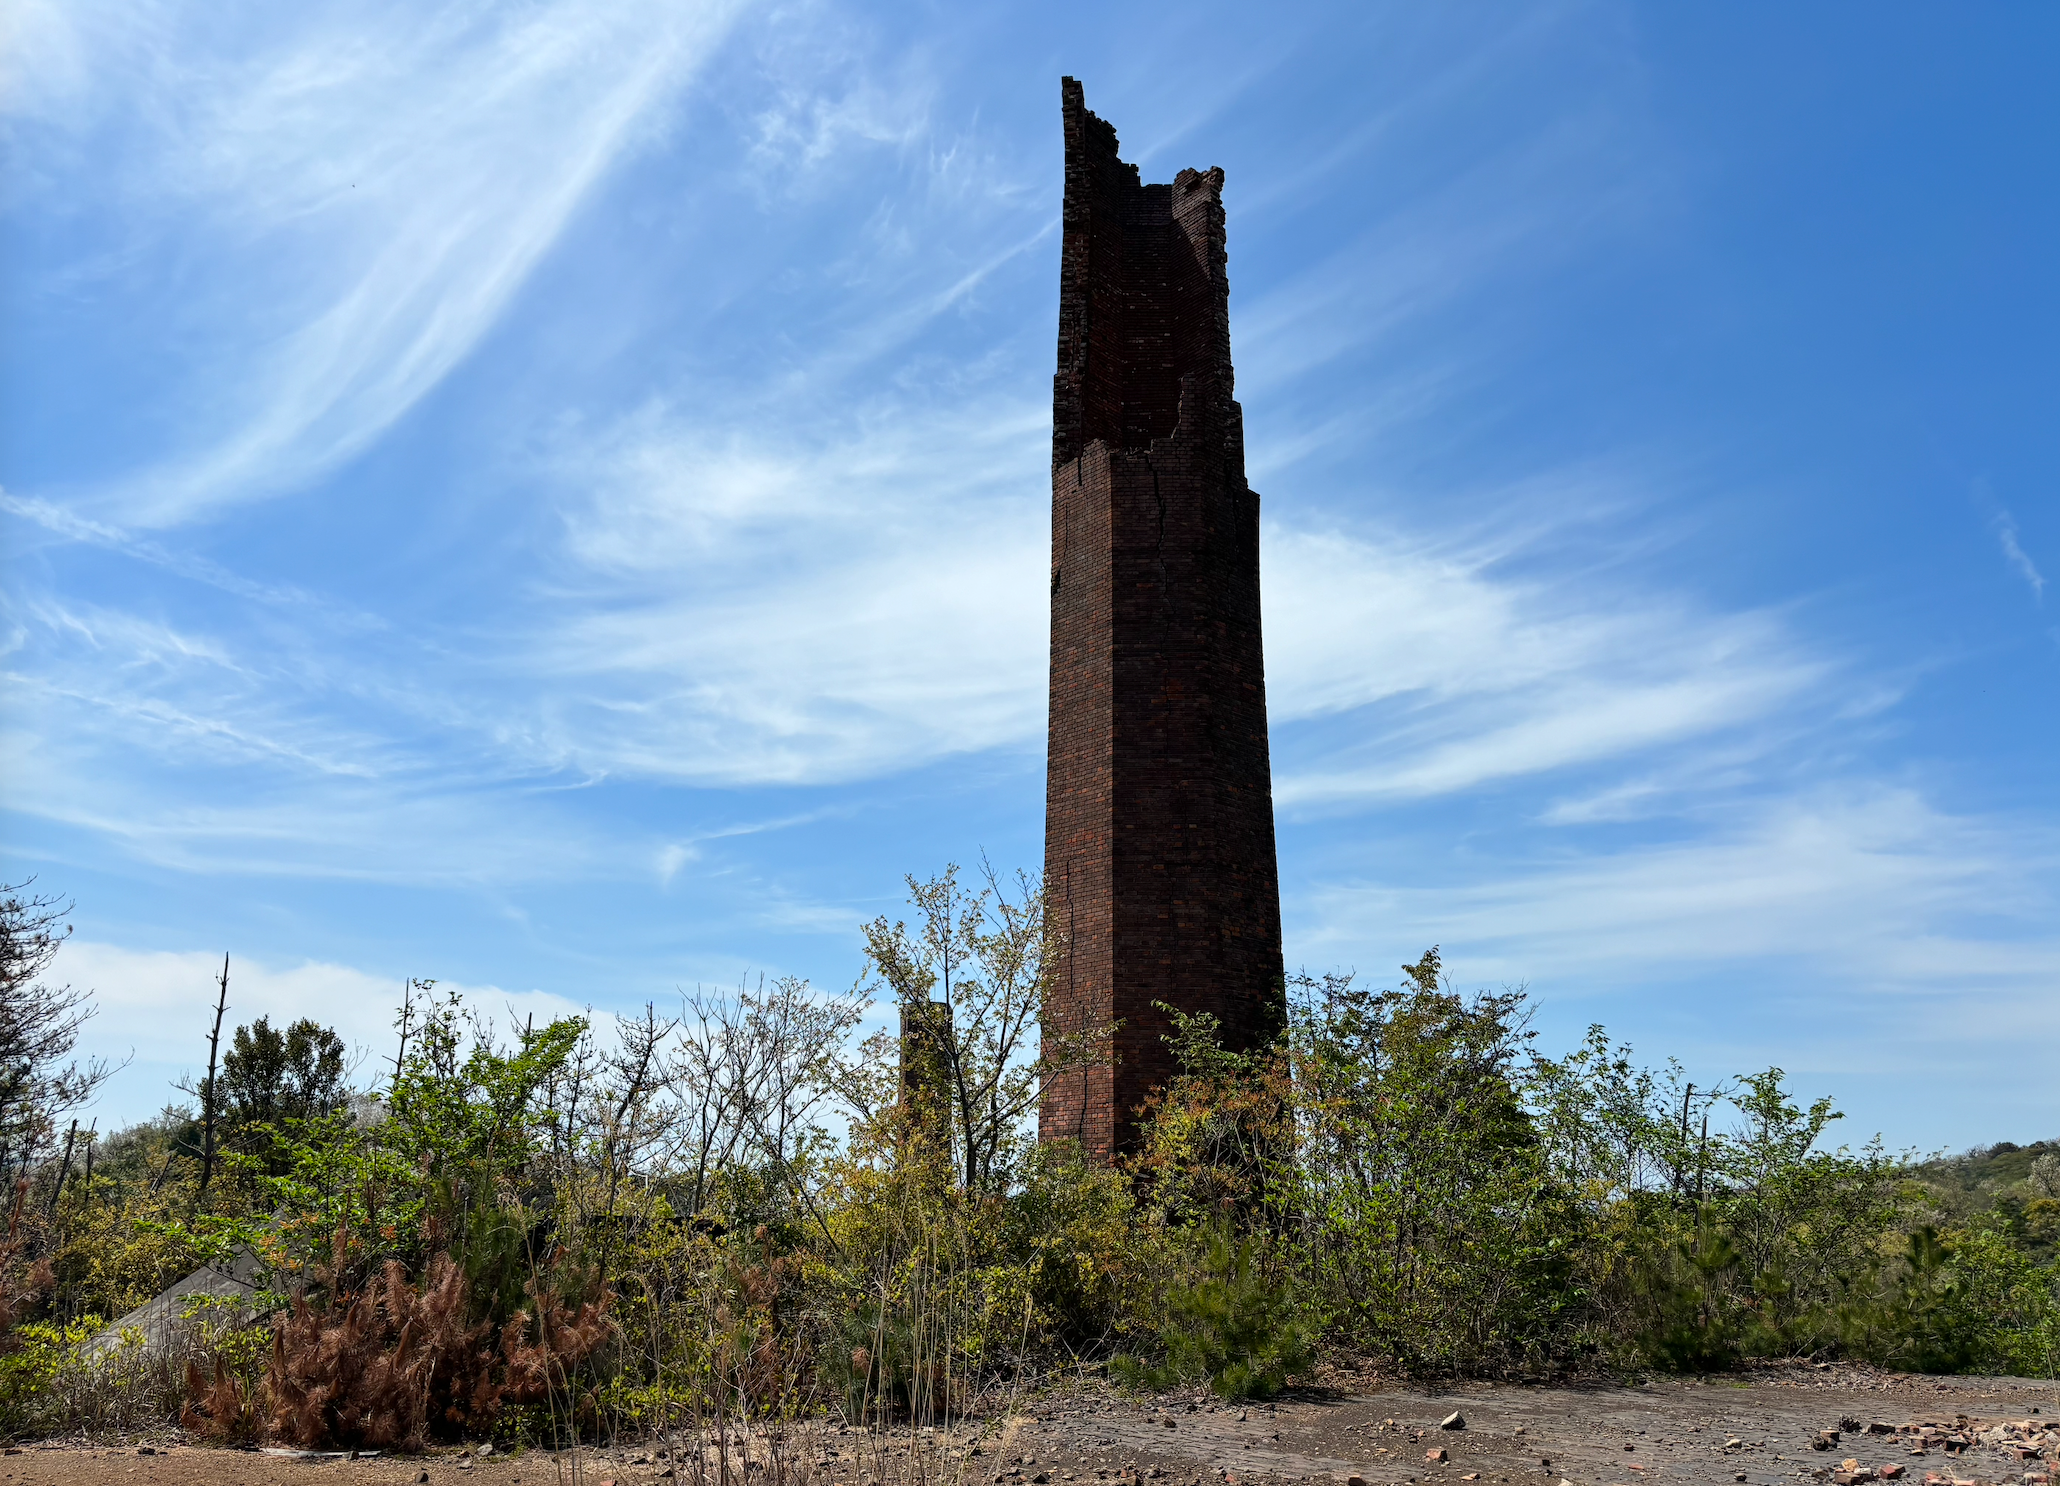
<point x="273" y="1080"/>
<point x="270" y="1077"/>
<point x="39" y="1025"/>
<point x="980" y="957"/>
<point x="467" y="1106"/>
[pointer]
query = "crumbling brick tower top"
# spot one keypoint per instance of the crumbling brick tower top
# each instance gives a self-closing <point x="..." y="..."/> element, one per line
<point x="1158" y="838"/>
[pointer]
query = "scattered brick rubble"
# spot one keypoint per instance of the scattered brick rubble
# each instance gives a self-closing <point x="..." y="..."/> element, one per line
<point x="1981" y="1453"/>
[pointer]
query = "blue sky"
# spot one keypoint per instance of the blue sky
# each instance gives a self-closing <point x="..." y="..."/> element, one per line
<point x="553" y="497"/>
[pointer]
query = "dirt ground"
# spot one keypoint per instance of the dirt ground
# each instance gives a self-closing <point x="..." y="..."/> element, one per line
<point x="1756" y="1428"/>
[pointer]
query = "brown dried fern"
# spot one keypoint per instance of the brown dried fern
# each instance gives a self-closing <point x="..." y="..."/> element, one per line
<point x="220" y="1411"/>
<point x="394" y="1364"/>
<point x="21" y="1286"/>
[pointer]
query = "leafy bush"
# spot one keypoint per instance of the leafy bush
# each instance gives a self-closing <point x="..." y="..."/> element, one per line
<point x="1230" y="1326"/>
<point x="37" y="1354"/>
<point x="1700" y="1323"/>
<point x="69" y="1380"/>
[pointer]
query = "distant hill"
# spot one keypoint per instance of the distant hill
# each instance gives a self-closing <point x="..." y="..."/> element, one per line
<point x="2012" y="1188"/>
<point x="1987" y="1171"/>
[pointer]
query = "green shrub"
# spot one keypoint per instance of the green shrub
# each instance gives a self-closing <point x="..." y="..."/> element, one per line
<point x="38" y="1354"/>
<point x="1230" y="1327"/>
<point x="1699" y="1322"/>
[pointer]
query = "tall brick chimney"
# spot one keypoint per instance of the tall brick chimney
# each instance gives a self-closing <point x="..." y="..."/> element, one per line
<point x="1158" y="835"/>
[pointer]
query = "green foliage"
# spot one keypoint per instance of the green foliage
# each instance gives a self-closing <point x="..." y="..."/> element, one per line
<point x="1700" y="1323"/>
<point x="1386" y="1142"/>
<point x="665" y="1227"/>
<point x="1990" y="1170"/>
<point x="111" y="1261"/>
<point x="272" y="1080"/>
<point x="1445" y="1198"/>
<point x="38" y="1353"/>
<point x="39" y="1027"/>
<point x="1433" y="1222"/>
<point x="927" y="1288"/>
<point x="463" y="1105"/>
<point x="968" y="980"/>
<point x="1231" y="1326"/>
<point x="465" y="1125"/>
<point x="1919" y="1320"/>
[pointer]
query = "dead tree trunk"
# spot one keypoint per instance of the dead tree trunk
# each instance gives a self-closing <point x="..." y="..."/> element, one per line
<point x="64" y="1168"/>
<point x="210" y="1097"/>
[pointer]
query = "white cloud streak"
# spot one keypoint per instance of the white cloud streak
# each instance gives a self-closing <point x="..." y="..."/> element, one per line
<point x="819" y="570"/>
<point x="724" y="610"/>
<point x="354" y="198"/>
<point x="2017" y="557"/>
<point x="1455" y="675"/>
<point x="857" y="606"/>
<point x="1885" y="905"/>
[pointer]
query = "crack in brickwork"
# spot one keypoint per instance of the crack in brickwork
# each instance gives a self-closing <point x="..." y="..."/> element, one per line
<point x="1159" y="795"/>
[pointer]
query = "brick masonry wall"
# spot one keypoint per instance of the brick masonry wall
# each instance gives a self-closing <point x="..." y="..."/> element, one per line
<point x="1159" y="848"/>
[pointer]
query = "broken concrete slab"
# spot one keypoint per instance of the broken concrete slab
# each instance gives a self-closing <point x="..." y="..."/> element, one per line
<point x="233" y="1286"/>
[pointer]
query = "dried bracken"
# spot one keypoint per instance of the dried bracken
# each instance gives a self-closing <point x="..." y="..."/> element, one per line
<point x="220" y="1410"/>
<point x="395" y="1365"/>
<point x="21" y="1286"/>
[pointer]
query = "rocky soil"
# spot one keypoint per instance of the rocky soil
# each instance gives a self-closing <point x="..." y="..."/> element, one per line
<point x="1841" y="1426"/>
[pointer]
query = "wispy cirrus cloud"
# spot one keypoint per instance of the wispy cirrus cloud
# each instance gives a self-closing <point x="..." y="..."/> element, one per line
<point x="2017" y="557"/>
<point x="825" y="564"/>
<point x="1422" y="668"/>
<point x="262" y="746"/>
<point x="861" y="603"/>
<point x="818" y="566"/>
<point x="1830" y="915"/>
<point x="338" y="204"/>
<point x="723" y="609"/>
<point x="1866" y="876"/>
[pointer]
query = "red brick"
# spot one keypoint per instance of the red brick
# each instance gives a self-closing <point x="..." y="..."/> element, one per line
<point x="1159" y="844"/>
